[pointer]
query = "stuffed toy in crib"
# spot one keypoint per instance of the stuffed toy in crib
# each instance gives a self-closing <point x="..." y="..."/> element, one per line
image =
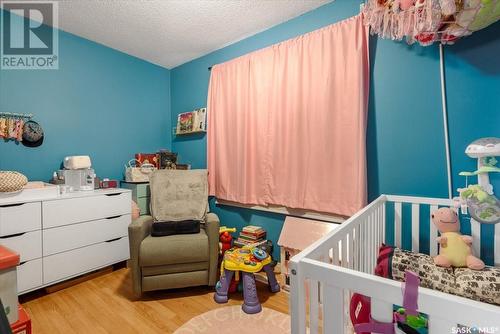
<point x="455" y="248"/>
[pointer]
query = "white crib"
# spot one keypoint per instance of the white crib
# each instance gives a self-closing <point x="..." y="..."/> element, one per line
<point x="324" y="275"/>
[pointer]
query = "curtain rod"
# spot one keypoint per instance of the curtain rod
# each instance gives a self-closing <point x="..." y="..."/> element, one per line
<point x="210" y="68"/>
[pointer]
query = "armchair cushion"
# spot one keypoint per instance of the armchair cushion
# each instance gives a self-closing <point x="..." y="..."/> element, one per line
<point x="174" y="249"/>
<point x="179" y="194"/>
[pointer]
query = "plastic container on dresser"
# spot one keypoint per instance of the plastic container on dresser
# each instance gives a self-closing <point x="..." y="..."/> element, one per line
<point x="343" y="262"/>
<point x="62" y="236"/>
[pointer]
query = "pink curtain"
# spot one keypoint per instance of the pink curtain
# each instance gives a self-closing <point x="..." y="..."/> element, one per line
<point x="287" y="124"/>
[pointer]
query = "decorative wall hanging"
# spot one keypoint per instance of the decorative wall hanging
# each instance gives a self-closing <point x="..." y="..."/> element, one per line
<point x="20" y="128"/>
<point x="429" y="21"/>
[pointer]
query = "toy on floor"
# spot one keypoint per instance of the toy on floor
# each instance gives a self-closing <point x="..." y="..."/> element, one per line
<point x="296" y="235"/>
<point x="247" y="261"/>
<point x="225" y="238"/>
<point x="225" y="243"/>
<point x="455" y="250"/>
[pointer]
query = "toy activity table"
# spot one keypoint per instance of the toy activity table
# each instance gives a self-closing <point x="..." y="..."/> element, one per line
<point x="247" y="261"/>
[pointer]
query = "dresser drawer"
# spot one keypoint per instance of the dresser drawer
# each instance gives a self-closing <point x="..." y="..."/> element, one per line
<point x="64" y="238"/>
<point x="28" y="245"/>
<point x="77" y="210"/>
<point x="81" y="260"/>
<point x="19" y="218"/>
<point x="29" y="275"/>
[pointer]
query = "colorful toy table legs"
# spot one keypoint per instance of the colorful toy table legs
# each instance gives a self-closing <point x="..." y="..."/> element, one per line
<point x="271" y="279"/>
<point x="251" y="302"/>
<point x="222" y="287"/>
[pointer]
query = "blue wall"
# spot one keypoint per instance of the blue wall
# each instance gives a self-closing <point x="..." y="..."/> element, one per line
<point x="473" y="87"/>
<point x="100" y="102"/>
<point x="406" y="153"/>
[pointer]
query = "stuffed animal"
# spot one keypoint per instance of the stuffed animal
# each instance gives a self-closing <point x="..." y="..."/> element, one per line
<point x="406" y="4"/>
<point x="455" y="248"/>
<point x="225" y="239"/>
<point x="448" y="7"/>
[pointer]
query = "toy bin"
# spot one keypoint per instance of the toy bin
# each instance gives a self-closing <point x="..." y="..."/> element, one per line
<point x="8" y="283"/>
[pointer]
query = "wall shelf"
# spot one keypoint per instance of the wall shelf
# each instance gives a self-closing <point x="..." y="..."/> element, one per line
<point x="190" y="132"/>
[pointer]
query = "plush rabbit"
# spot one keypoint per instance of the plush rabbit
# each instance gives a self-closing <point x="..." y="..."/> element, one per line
<point x="455" y="248"/>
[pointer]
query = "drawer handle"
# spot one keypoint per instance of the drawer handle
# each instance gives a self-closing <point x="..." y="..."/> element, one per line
<point x="117" y="194"/>
<point x="113" y="217"/>
<point x="115" y="239"/>
<point x="12" y="235"/>
<point x="11" y="205"/>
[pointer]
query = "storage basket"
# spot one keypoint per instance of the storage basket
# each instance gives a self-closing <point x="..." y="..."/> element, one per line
<point x="138" y="174"/>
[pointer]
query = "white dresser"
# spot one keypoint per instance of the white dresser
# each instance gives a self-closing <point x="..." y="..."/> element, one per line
<point x="63" y="236"/>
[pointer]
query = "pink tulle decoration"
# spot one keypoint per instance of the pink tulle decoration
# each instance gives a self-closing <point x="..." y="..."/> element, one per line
<point x="426" y="21"/>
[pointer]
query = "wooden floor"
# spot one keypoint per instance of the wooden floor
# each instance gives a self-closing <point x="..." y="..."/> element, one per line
<point x="105" y="305"/>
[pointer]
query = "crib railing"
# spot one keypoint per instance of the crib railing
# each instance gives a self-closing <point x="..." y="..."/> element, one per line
<point x="324" y="275"/>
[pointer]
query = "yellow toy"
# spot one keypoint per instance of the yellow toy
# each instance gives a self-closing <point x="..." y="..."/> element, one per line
<point x="247" y="260"/>
<point x="225" y="238"/>
<point x="243" y="259"/>
<point x="456" y="250"/>
<point x="223" y="229"/>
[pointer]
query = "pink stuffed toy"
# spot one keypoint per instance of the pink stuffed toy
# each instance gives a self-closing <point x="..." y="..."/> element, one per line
<point x="455" y="248"/>
<point x="136" y="211"/>
<point x="406" y="4"/>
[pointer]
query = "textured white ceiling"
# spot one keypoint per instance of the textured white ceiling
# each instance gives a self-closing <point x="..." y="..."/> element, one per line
<point x="172" y="32"/>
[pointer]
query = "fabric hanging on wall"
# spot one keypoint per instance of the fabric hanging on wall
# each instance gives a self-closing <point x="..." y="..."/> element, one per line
<point x="287" y="124"/>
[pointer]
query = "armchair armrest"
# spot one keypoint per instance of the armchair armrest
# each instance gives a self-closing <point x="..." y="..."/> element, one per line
<point x="137" y="231"/>
<point x="212" y="229"/>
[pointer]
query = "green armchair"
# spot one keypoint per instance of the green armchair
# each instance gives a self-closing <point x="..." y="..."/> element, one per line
<point x="174" y="261"/>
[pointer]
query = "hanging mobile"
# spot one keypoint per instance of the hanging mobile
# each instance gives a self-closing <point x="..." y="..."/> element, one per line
<point x="479" y="199"/>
